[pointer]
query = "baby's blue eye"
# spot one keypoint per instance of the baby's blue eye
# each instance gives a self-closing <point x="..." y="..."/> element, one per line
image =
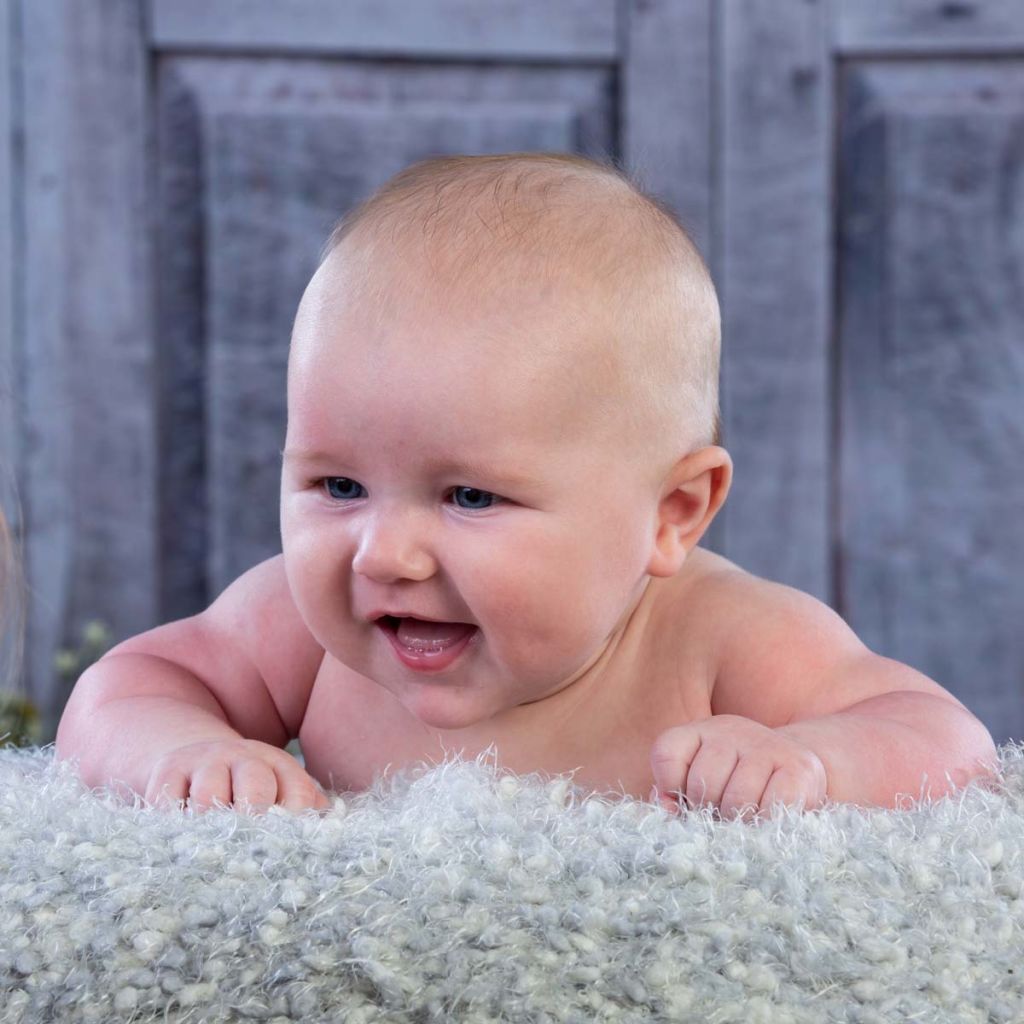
<point x="345" y="484"/>
<point x="475" y="495"/>
<point x="340" y="488"/>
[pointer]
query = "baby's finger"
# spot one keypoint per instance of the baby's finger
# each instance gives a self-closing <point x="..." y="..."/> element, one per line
<point x="709" y="774"/>
<point x="254" y="786"/>
<point x="211" y="784"/>
<point x="670" y="757"/>
<point x="666" y="801"/>
<point x="167" y="789"/>
<point x="297" y="791"/>
<point x="787" y="786"/>
<point x="747" y="784"/>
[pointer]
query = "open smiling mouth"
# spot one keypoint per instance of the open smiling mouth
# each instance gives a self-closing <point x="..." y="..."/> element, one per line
<point x="426" y="646"/>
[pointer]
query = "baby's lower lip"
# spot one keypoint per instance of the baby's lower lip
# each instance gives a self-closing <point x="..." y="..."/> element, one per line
<point x="424" y="661"/>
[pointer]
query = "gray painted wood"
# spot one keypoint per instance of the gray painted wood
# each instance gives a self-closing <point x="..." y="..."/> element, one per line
<point x="10" y="230"/>
<point x="666" y="110"/>
<point x="87" y="454"/>
<point x="955" y="27"/>
<point x="183" y="163"/>
<point x="180" y="348"/>
<point x="46" y="454"/>
<point x="775" y="281"/>
<point x="9" y="244"/>
<point x="571" y="30"/>
<point x="932" y="363"/>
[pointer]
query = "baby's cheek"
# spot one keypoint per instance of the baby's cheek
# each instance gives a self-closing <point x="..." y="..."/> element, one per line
<point x="514" y="603"/>
<point x="317" y="589"/>
<point x="304" y="579"/>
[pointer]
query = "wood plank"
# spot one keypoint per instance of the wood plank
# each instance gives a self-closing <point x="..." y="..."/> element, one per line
<point x="10" y="405"/>
<point x="179" y="327"/>
<point x="88" y="448"/>
<point x="571" y="30"/>
<point x="775" y="283"/>
<point x="666" y="105"/>
<point x="10" y="74"/>
<point x="666" y="124"/>
<point x="932" y="370"/>
<point x="956" y="27"/>
<point x="45" y="455"/>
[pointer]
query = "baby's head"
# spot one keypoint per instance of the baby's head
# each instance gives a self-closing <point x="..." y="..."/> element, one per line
<point x="509" y="365"/>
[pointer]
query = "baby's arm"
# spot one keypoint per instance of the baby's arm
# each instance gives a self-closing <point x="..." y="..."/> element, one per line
<point x="802" y="709"/>
<point x="201" y="707"/>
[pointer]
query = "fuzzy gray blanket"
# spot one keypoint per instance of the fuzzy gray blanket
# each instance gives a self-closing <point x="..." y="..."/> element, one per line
<point x="457" y="893"/>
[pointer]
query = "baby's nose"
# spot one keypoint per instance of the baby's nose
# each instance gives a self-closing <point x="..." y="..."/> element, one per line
<point x="386" y="554"/>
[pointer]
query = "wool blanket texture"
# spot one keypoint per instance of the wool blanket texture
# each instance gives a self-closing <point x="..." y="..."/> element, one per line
<point x="458" y="892"/>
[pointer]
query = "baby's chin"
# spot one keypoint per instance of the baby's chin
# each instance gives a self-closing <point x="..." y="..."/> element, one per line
<point x="446" y="705"/>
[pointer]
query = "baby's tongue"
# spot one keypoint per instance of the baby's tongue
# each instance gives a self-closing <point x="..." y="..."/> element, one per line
<point x="438" y="635"/>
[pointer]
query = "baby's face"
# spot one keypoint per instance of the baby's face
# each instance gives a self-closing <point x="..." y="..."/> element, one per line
<point x="462" y="480"/>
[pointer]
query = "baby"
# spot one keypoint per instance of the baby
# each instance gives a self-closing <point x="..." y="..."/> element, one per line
<point x="501" y="455"/>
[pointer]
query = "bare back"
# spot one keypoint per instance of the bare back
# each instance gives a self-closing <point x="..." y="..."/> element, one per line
<point x="354" y="729"/>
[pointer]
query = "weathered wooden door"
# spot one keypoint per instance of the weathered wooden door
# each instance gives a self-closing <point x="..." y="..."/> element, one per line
<point x="849" y="170"/>
<point x="871" y="198"/>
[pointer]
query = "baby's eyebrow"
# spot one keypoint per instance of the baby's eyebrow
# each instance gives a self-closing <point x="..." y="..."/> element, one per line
<point x="470" y="468"/>
<point x="304" y="455"/>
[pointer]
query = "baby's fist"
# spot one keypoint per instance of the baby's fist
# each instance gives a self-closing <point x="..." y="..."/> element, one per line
<point x="737" y="765"/>
<point x="248" y="774"/>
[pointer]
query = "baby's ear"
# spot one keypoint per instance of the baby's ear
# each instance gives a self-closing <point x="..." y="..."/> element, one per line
<point x="694" y="491"/>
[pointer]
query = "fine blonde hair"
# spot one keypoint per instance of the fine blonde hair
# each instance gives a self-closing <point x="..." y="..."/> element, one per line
<point x="512" y="215"/>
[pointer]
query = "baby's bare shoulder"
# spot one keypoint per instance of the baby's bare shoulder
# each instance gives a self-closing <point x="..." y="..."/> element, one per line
<point x="762" y="640"/>
<point x="779" y="654"/>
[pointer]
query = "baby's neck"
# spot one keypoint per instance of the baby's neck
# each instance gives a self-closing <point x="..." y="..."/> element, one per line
<point x="593" y="699"/>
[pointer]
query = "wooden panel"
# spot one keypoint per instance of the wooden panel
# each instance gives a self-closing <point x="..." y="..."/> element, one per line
<point x="774" y="281"/>
<point x="666" y="108"/>
<point x="932" y="373"/>
<point x="180" y="385"/>
<point x="929" y="26"/>
<point x="571" y="30"/>
<point x="666" y="126"/>
<point x="345" y="129"/>
<point x="10" y="243"/>
<point x="87" y="446"/>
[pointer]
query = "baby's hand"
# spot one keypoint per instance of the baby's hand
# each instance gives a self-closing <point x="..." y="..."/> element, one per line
<point x="247" y="773"/>
<point x="737" y="765"/>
